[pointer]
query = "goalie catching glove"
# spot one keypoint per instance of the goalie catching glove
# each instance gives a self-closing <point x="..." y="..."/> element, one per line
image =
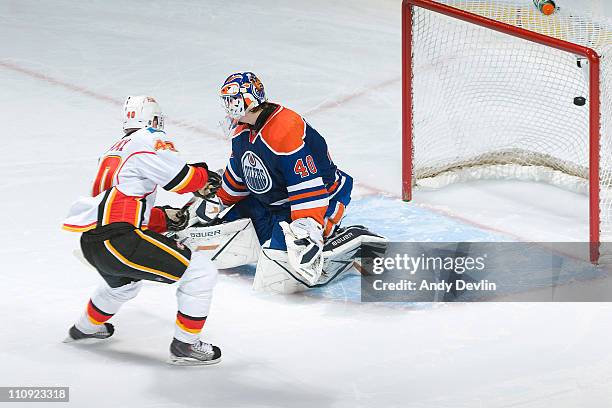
<point x="304" y="238"/>
<point x="213" y="184"/>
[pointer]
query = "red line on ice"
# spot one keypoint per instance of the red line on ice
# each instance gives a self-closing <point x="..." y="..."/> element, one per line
<point x="335" y="103"/>
<point x="101" y="97"/>
<point x="75" y="88"/>
<point x="179" y="123"/>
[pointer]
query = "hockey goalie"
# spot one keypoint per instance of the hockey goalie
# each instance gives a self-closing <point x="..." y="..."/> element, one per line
<point x="280" y="201"/>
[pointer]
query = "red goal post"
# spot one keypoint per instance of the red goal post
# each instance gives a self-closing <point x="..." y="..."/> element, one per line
<point x="593" y="57"/>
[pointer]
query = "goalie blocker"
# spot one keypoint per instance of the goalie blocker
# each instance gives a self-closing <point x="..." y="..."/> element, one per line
<point x="235" y="243"/>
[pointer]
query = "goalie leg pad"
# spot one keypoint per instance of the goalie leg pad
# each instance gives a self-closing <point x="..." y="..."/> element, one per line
<point x="342" y="253"/>
<point x="274" y="274"/>
<point x="229" y="245"/>
<point x="341" y="256"/>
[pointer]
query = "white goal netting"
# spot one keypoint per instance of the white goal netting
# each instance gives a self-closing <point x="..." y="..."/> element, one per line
<point x="490" y="105"/>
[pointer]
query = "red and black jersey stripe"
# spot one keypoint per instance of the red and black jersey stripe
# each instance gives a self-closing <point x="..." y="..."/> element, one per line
<point x="188" y="180"/>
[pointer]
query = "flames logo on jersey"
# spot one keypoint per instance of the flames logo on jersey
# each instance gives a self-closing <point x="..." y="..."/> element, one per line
<point x="256" y="175"/>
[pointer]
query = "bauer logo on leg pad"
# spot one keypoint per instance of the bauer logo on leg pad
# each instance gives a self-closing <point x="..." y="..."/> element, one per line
<point x="195" y="233"/>
<point x="349" y="238"/>
<point x="229" y="244"/>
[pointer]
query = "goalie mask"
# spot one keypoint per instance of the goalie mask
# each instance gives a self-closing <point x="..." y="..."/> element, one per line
<point x="242" y="92"/>
<point x="142" y="112"/>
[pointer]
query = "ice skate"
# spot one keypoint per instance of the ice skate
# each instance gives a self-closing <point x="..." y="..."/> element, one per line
<point x="75" y="334"/>
<point x="199" y="353"/>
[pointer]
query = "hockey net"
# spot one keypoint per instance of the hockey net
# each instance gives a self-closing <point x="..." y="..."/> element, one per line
<point x="490" y="90"/>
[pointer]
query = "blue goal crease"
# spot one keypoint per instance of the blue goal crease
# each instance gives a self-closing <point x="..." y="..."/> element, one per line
<point x="399" y="222"/>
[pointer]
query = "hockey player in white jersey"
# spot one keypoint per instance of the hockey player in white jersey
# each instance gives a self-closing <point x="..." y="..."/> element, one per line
<point x="121" y="232"/>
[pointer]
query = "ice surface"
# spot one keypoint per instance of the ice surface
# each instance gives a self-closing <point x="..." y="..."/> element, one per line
<point x="64" y="69"/>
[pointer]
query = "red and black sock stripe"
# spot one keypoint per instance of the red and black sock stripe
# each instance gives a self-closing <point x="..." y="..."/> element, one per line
<point x="97" y="316"/>
<point x="190" y="324"/>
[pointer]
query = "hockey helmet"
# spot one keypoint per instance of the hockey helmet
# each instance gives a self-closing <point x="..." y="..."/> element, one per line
<point x="141" y="112"/>
<point x="241" y="92"/>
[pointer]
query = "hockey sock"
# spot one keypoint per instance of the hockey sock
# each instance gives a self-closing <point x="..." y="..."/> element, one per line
<point x="194" y="295"/>
<point x="188" y="328"/>
<point x="92" y="319"/>
<point x="105" y="302"/>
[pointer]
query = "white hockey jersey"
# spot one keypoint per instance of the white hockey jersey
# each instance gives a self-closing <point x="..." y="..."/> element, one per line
<point x="126" y="183"/>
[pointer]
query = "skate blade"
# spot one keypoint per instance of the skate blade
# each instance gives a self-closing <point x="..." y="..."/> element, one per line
<point x="186" y="361"/>
<point x="89" y="340"/>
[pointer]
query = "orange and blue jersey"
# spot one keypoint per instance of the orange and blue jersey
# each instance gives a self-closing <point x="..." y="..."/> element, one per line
<point x="285" y="164"/>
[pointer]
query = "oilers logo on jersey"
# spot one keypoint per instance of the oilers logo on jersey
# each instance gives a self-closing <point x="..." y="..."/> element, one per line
<point x="285" y="164"/>
<point x="256" y="174"/>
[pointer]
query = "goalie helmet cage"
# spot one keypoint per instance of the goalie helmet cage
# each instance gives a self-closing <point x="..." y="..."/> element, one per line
<point x="494" y="89"/>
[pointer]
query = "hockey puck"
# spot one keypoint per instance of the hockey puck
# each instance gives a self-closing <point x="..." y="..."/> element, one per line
<point x="579" y="101"/>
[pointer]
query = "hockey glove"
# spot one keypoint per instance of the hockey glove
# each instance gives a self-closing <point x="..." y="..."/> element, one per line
<point x="176" y="219"/>
<point x="304" y="238"/>
<point x="213" y="184"/>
